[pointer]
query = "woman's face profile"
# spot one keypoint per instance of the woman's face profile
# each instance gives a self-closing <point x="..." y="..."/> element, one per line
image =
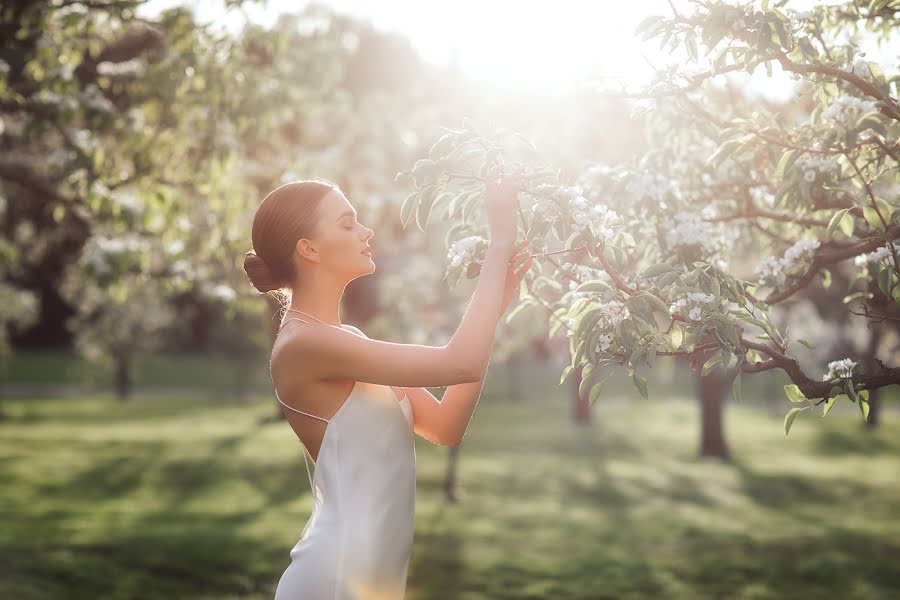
<point x="341" y="238"/>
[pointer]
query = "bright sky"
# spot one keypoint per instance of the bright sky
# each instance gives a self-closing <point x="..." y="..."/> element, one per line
<point x="540" y="46"/>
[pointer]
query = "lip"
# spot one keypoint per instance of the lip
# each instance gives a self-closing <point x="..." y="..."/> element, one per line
<point x="367" y="252"/>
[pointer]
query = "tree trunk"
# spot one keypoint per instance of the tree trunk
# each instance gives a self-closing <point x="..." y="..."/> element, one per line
<point x="711" y="391"/>
<point x="581" y="409"/>
<point x="123" y="375"/>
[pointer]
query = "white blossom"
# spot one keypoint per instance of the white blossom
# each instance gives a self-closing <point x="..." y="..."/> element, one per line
<point x="881" y="253"/>
<point x="100" y="250"/>
<point x="701" y="297"/>
<point x="821" y="164"/>
<point x="85" y="140"/>
<point x="223" y="292"/>
<point x="802" y="250"/>
<point x="63" y="102"/>
<point x="94" y="98"/>
<point x="604" y="341"/>
<point x="612" y="313"/>
<point x="129" y="67"/>
<point x="652" y="185"/>
<point x="175" y="247"/>
<point x="128" y="200"/>
<point x="861" y="68"/>
<point x="845" y="110"/>
<point x="698" y="299"/>
<point x="840" y="369"/>
<point x="690" y="229"/>
<point x="463" y="251"/>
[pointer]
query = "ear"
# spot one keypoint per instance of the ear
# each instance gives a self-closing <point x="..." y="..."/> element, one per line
<point x="305" y="249"/>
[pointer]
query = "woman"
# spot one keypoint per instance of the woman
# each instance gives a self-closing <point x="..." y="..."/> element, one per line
<point x="355" y="402"/>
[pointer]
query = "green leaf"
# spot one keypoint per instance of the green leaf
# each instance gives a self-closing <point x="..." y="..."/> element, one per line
<point x="789" y="418"/>
<point x="724" y="151"/>
<point x="424" y="206"/>
<point x="793" y="393"/>
<point x="806" y="343"/>
<point x="788" y="158"/>
<point x="640" y="383"/>
<point x="406" y="208"/>
<point x="710" y="363"/>
<point x="736" y="387"/>
<point x="565" y="373"/>
<point x="655" y="302"/>
<point x="451" y="208"/>
<point x="595" y="390"/>
<point x="872" y="218"/>
<point x="836" y="222"/>
<point x="828" y="404"/>
<point x="422" y="170"/>
<point x="691" y="45"/>
<point x="647" y="24"/>
<point x="863" y="396"/>
<point x="676" y="336"/>
<point x="657" y="270"/>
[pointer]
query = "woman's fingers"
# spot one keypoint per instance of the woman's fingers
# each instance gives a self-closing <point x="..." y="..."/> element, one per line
<point x="519" y="255"/>
<point x="525" y="266"/>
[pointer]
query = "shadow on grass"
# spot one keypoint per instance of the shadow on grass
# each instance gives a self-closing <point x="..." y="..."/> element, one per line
<point x="166" y="557"/>
<point x="784" y="491"/>
<point x="841" y="564"/>
<point x="834" y="442"/>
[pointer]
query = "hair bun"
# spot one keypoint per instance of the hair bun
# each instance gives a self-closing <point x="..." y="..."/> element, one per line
<point x="259" y="273"/>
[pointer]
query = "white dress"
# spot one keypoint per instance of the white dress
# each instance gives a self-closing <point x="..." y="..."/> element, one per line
<point x="357" y="542"/>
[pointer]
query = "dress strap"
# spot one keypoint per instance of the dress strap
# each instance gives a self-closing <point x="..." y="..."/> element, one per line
<point x="305" y="450"/>
<point x="298" y="410"/>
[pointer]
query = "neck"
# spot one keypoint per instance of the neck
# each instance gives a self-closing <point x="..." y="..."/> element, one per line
<point x="320" y="296"/>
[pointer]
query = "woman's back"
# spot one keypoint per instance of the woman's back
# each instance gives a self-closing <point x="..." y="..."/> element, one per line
<point x="358" y="539"/>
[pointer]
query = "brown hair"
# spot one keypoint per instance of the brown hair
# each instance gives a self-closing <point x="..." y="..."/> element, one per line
<point x="287" y="214"/>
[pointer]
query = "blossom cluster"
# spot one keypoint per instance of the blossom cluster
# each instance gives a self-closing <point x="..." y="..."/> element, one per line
<point x="695" y="312"/>
<point x="840" y="369"/>
<point x="690" y="229"/>
<point x="223" y="293"/>
<point x="100" y="251"/>
<point x="94" y="98"/>
<point x="128" y="67"/>
<point x="810" y="165"/>
<point x="611" y="314"/>
<point x="598" y="218"/>
<point x="464" y="250"/>
<point x="880" y="253"/>
<point x="771" y="267"/>
<point x="844" y="110"/>
<point x="652" y="185"/>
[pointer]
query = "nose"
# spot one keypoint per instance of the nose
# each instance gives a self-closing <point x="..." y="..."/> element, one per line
<point x="370" y="234"/>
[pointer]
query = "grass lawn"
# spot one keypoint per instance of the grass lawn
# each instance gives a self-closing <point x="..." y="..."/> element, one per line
<point x="189" y="498"/>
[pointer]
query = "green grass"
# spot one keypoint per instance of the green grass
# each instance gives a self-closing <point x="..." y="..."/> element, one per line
<point x="190" y="498"/>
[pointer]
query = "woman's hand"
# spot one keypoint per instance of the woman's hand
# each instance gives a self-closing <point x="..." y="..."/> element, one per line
<point x="501" y="203"/>
<point x="514" y="275"/>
